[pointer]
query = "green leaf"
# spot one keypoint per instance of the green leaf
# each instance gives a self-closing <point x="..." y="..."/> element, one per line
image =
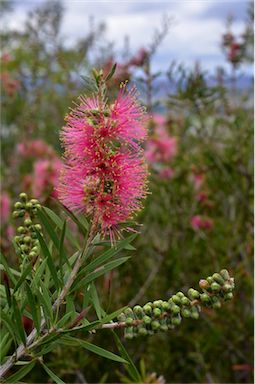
<point x="23" y="276"/>
<point x="38" y="274"/>
<point x="83" y="226"/>
<point x="19" y="329"/>
<point x="54" y="377"/>
<point x="47" y="309"/>
<point x="7" y="269"/>
<point x="131" y="368"/>
<point x="95" y="301"/>
<point x="50" y="261"/>
<point x="21" y="373"/>
<point x="98" y="350"/>
<point x="90" y="84"/>
<point x="33" y="308"/>
<point x="9" y="324"/>
<point x="6" y="342"/>
<point x="101" y="271"/>
<point x="59" y="223"/>
<point x="48" y="226"/>
<point x="111" y="73"/>
<point x="62" y="254"/>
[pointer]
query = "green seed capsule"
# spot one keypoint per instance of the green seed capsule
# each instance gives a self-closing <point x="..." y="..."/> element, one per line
<point x="146" y="320"/>
<point x="180" y="294"/>
<point x="128" y="311"/>
<point x="216" y="304"/>
<point x="164" y="328"/>
<point x="121" y="317"/>
<point x="17" y="239"/>
<point x="194" y="315"/>
<point x="193" y="294"/>
<point x="129" y="321"/>
<point x="34" y="201"/>
<point x="227" y="287"/>
<point x="23" y="196"/>
<point x="18" y="205"/>
<point x="35" y="249"/>
<point x="205" y="298"/>
<point x="129" y="333"/>
<point x="38" y="227"/>
<point x="218" y="278"/>
<point x="156" y="304"/>
<point x="24" y="248"/>
<point x="224" y="273"/>
<point x="210" y="280"/>
<point x="215" y="287"/>
<point x="185" y="301"/>
<point x="166" y="306"/>
<point x="32" y="254"/>
<point x="155" y="325"/>
<point x="21" y="230"/>
<point x="156" y="312"/>
<point x="28" y="222"/>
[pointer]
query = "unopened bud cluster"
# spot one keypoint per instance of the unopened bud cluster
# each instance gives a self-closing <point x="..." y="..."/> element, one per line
<point x="162" y="315"/>
<point x="26" y="240"/>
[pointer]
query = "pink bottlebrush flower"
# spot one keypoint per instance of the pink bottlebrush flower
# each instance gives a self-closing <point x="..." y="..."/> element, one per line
<point x="35" y="148"/>
<point x="161" y="147"/>
<point x="166" y="173"/>
<point x="104" y="173"/>
<point x="45" y="177"/>
<point x="201" y="222"/>
<point x="5" y="206"/>
<point x="158" y="119"/>
<point x="197" y="180"/>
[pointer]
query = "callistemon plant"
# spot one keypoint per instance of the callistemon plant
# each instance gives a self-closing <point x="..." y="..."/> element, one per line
<point x="101" y="187"/>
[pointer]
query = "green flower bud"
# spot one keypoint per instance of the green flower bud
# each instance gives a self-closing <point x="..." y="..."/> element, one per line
<point x="24" y="248"/>
<point x="164" y="327"/>
<point x="176" y="321"/>
<point x="215" y="287"/>
<point x="185" y="312"/>
<point x="121" y="317"/>
<point x="194" y="314"/>
<point x="156" y="304"/>
<point x="15" y="214"/>
<point x="147" y="308"/>
<point x="166" y="306"/>
<point x="224" y="273"/>
<point x="34" y="201"/>
<point x="228" y="296"/>
<point x="203" y="284"/>
<point x="156" y="312"/>
<point x="129" y="321"/>
<point x="210" y="280"/>
<point x="216" y="304"/>
<point x="29" y="205"/>
<point x="193" y="294"/>
<point x="137" y="309"/>
<point x="185" y="301"/>
<point x="17" y="239"/>
<point x="38" y="227"/>
<point x="218" y="278"/>
<point x="27" y="239"/>
<point x="176" y="299"/>
<point x="180" y="294"/>
<point x="129" y="333"/>
<point x="22" y="213"/>
<point x="33" y="235"/>
<point x="205" y="298"/>
<point x="142" y="331"/>
<point x="18" y="205"/>
<point x="23" y="196"/>
<point x="32" y="254"/>
<point x="21" y="230"/>
<point x="227" y="287"/>
<point x="155" y="325"/>
<point x="35" y="249"/>
<point x="175" y="309"/>
<point x="28" y="222"/>
<point x="146" y="320"/>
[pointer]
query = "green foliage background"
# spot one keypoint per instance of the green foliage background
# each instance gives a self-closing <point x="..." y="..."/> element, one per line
<point x="215" y="131"/>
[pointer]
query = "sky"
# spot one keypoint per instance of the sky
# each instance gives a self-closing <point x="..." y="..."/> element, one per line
<point x="194" y="35"/>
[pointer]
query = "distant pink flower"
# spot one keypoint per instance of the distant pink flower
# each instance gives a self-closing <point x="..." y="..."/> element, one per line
<point x="161" y="147"/>
<point x="104" y="173"/>
<point x="166" y="173"/>
<point x="158" y="119"/>
<point x="45" y="177"/>
<point x="198" y="180"/>
<point x="140" y="58"/>
<point x="201" y="222"/>
<point x="5" y="205"/>
<point x="35" y="148"/>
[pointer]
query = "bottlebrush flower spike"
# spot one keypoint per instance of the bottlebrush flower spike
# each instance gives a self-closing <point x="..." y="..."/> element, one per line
<point x="104" y="174"/>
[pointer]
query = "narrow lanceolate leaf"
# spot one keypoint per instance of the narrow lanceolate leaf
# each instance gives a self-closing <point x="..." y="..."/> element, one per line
<point x="9" y="324"/>
<point x="62" y="254"/>
<point x="49" y="227"/>
<point x="23" y="276"/>
<point x="52" y="375"/>
<point x="95" y="301"/>
<point x="47" y="309"/>
<point x="82" y="225"/>
<point x="111" y="73"/>
<point x="38" y="274"/>
<point x="17" y="317"/>
<point x="131" y="368"/>
<point x="21" y="373"/>
<point x="50" y="261"/>
<point x="7" y="268"/>
<point x="33" y="308"/>
<point x="5" y="344"/>
<point x="97" y="350"/>
<point x="59" y="223"/>
<point x="101" y="271"/>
